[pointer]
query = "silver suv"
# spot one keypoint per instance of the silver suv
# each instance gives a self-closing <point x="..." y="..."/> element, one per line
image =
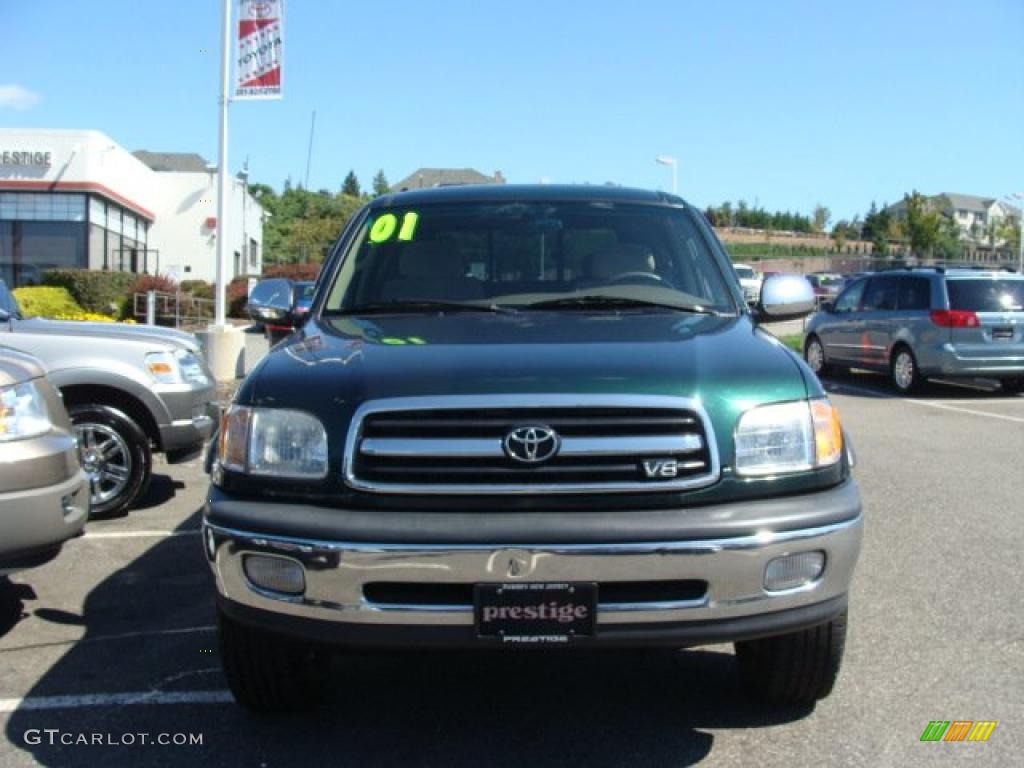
<point x="131" y="390"/>
<point x="917" y="323"/>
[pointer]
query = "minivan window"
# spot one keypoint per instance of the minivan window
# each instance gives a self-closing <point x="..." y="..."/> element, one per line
<point x="524" y="253"/>
<point x="915" y="293"/>
<point x="849" y="300"/>
<point x="986" y="294"/>
<point x="881" y="294"/>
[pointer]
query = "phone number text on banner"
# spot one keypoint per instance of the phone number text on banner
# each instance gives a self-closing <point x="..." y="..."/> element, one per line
<point x="260" y="49"/>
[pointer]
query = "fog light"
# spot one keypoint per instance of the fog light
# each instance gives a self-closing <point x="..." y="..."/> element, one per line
<point x="793" y="571"/>
<point x="278" y="574"/>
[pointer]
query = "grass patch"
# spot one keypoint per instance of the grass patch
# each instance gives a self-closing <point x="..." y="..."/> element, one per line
<point x="794" y="341"/>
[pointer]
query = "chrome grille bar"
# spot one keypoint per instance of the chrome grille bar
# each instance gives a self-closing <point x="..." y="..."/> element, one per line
<point x="655" y="445"/>
<point x="454" y="445"/>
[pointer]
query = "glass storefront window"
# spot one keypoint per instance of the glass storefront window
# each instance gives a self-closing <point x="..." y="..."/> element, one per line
<point x="38" y="206"/>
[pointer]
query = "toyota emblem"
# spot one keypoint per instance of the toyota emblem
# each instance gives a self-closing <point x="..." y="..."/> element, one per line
<point x="531" y="444"/>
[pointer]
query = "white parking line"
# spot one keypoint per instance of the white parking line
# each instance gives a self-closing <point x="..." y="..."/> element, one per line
<point x="109" y="638"/>
<point x="114" y="700"/>
<point x="138" y="534"/>
<point x="1001" y="417"/>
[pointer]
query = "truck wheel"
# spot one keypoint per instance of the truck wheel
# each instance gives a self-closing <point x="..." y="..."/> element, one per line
<point x="794" y="669"/>
<point x="115" y="455"/>
<point x="1013" y="386"/>
<point x="267" y="672"/>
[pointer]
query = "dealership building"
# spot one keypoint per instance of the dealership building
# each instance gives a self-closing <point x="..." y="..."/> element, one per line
<point x="76" y="199"/>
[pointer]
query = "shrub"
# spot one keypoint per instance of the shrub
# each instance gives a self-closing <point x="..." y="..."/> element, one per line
<point x="161" y="283"/>
<point x="293" y="271"/>
<point x="46" y="301"/>
<point x="237" y="297"/>
<point x="99" y="292"/>
<point x="198" y="288"/>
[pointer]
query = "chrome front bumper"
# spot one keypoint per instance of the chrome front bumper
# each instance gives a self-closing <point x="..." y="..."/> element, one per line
<point x="336" y="572"/>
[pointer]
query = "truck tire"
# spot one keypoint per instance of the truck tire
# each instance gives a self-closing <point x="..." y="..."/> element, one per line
<point x="269" y="673"/>
<point x="795" y="669"/>
<point x="115" y="455"/>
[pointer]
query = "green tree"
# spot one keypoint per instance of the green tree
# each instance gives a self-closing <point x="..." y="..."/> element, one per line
<point x="876" y="228"/>
<point x="821" y="217"/>
<point x="380" y="184"/>
<point x="1009" y="232"/>
<point x="924" y="224"/>
<point x="350" y="186"/>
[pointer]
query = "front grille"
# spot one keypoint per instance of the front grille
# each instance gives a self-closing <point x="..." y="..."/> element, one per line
<point x="461" y="445"/>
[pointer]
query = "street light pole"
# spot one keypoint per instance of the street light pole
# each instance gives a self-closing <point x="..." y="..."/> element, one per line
<point x="671" y="161"/>
<point x="220" y="305"/>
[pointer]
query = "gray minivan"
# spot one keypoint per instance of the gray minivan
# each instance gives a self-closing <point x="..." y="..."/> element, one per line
<point x="923" y="322"/>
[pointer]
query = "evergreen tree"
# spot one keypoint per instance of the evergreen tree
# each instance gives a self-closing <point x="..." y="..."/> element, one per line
<point x="350" y="186"/>
<point x="380" y="184"/>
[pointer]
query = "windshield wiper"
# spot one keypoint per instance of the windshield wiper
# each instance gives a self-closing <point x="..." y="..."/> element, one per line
<point x="417" y="305"/>
<point x="616" y="302"/>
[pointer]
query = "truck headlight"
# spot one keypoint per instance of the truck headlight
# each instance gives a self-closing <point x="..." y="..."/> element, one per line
<point x="273" y="442"/>
<point x="180" y="367"/>
<point x="23" y="413"/>
<point x="788" y="437"/>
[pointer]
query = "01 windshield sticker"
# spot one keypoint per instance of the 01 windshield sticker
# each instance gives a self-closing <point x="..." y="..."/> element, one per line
<point x="387" y="225"/>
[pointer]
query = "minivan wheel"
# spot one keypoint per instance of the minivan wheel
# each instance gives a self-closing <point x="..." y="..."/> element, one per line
<point x="814" y="354"/>
<point x="795" y="669"/>
<point x="115" y="455"/>
<point x="269" y="673"/>
<point x="903" y="368"/>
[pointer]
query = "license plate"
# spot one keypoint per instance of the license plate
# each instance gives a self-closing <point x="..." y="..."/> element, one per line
<point x="1002" y="334"/>
<point x="536" y="613"/>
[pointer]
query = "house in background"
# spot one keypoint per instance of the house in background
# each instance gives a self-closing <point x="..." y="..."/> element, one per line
<point x="973" y="215"/>
<point x="425" y="178"/>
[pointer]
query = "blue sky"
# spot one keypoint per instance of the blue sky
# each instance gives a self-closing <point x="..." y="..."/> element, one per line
<point x="786" y="104"/>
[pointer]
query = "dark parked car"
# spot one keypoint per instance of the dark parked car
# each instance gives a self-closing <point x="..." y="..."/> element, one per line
<point x="529" y="417"/>
<point x="280" y="304"/>
<point x="924" y="322"/>
<point x="826" y="286"/>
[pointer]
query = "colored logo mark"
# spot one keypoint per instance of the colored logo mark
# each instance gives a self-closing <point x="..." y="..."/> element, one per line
<point x="958" y="730"/>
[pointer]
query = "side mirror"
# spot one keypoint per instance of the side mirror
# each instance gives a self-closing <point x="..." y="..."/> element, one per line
<point x="785" y="297"/>
<point x="826" y="306"/>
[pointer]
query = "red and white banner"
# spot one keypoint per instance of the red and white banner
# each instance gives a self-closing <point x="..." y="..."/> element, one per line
<point x="260" y="49"/>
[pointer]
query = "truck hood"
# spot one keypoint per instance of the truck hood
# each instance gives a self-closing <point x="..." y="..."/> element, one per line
<point x="335" y="364"/>
<point x="125" y="331"/>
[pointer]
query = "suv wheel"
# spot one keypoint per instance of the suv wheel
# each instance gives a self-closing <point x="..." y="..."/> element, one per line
<point x="115" y="455"/>
<point x="814" y="354"/>
<point x="903" y="369"/>
<point x="267" y="672"/>
<point x="795" y="669"/>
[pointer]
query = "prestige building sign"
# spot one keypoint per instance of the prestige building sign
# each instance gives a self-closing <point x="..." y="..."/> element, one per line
<point x="23" y="157"/>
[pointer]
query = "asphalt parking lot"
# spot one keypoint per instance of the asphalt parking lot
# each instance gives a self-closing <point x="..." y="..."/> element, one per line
<point x="116" y="638"/>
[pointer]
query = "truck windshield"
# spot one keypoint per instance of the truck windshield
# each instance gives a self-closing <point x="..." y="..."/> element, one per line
<point x="986" y="294"/>
<point x="522" y="254"/>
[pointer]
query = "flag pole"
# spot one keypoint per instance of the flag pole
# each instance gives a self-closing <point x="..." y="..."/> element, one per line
<point x="222" y="169"/>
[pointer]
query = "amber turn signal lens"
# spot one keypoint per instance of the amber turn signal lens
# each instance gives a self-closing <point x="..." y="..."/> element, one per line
<point x="828" y="433"/>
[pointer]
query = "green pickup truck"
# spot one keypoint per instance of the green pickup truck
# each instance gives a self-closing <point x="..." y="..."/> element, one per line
<point x="520" y="417"/>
